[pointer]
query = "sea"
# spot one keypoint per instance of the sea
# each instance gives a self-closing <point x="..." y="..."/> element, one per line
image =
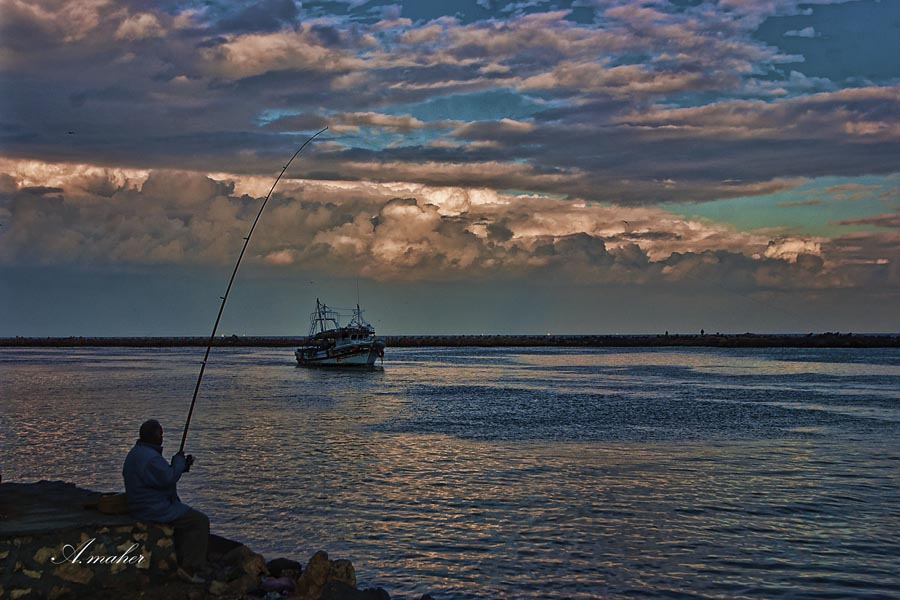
<point x="491" y="473"/>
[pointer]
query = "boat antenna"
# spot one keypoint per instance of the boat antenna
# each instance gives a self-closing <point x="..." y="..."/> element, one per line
<point x="215" y="328"/>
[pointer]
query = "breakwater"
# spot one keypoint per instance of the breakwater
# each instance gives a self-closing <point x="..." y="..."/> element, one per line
<point x="717" y="340"/>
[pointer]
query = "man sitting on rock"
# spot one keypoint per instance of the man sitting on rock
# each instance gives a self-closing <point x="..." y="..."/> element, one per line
<point x="150" y="486"/>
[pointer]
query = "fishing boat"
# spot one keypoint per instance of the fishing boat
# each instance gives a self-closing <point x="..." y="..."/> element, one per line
<point x="331" y="344"/>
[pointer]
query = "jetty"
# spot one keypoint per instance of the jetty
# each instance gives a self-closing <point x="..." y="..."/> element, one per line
<point x="713" y="340"/>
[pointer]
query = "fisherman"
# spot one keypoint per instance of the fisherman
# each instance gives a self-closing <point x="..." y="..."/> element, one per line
<point x="150" y="487"/>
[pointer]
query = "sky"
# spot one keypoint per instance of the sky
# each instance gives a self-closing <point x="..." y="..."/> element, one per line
<point x="537" y="166"/>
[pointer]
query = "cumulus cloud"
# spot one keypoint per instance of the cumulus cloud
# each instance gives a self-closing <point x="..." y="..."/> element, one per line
<point x="792" y="249"/>
<point x="70" y="21"/>
<point x="253" y="54"/>
<point x="390" y="231"/>
<point x="138" y="27"/>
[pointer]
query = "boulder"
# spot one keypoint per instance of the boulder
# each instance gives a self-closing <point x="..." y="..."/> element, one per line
<point x="336" y="590"/>
<point x="342" y="570"/>
<point x="246" y="560"/>
<point x="318" y="568"/>
<point x="284" y="567"/>
<point x="325" y="579"/>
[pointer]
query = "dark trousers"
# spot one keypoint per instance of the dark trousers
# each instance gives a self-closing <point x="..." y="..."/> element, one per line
<point x="191" y="538"/>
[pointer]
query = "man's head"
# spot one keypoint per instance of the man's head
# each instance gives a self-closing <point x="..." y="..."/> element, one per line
<point x="151" y="432"/>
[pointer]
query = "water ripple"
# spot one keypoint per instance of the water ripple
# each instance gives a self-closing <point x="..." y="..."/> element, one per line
<point x="499" y="473"/>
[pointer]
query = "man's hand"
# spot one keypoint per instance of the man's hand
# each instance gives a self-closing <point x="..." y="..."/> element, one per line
<point x="188" y="460"/>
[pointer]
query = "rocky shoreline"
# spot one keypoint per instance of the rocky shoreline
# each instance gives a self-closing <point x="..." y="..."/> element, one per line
<point x="56" y="543"/>
<point x="717" y="340"/>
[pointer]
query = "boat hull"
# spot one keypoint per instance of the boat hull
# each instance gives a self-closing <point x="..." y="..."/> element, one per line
<point x="363" y="355"/>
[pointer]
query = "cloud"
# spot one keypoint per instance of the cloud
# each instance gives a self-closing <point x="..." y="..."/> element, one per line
<point x="68" y="21"/>
<point x="138" y="27"/>
<point x="869" y="259"/>
<point x="265" y="15"/>
<point x="754" y="12"/>
<point x="806" y="32"/>
<point x="371" y="119"/>
<point x="392" y="232"/>
<point x="792" y="249"/>
<point x="890" y="220"/>
<point x="624" y="80"/>
<point x="247" y="55"/>
<point x="620" y="110"/>
<point x="840" y="114"/>
<point x="810" y="202"/>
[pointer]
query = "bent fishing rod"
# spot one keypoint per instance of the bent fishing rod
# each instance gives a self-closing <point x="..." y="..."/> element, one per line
<point x="215" y="328"/>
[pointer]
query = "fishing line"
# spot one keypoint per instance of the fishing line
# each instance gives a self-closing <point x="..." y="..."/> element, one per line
<point x="215" y="328"/>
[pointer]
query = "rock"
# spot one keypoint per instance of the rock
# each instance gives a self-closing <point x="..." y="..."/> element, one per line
<point x="318" y="568"/>
<point x="217" y="588"/>
<point x="245" y="583"/>
<point x="282" y="585"/>
<point x="426" y="597"/>
<point x="284" y="566"/>
<point x="336" y="590"/>
<point x="144" y="563"/>
<point x="248" y="561"/>
<point x="325" y="579"/>
<point x="313" y="578"/>
<point x="342" y="570"/>
<point x="74" y="574"/>
<point x="57" y="592"/>
<point x="42" y="555"/>
<point x="20" y="593"/>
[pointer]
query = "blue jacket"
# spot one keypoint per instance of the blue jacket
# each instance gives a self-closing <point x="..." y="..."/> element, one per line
<point x="150" y="484"/>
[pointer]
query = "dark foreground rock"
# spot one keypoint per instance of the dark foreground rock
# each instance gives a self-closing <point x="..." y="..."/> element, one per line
<point x="56" y="544"/>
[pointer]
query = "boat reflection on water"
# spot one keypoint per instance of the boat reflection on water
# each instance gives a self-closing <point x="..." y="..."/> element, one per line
<point x="329" y="344"/>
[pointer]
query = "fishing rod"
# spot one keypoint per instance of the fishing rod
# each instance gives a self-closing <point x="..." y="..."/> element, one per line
<point x="212" y="336"/>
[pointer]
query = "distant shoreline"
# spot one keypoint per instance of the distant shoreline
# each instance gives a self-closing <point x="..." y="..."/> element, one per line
<point x="744" y="340"/>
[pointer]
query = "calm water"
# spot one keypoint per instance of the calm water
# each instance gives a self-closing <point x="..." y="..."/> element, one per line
<point x="508" y="473"/>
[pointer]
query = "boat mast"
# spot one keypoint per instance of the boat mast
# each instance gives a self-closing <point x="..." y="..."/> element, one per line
<point x="319" y="317"/>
